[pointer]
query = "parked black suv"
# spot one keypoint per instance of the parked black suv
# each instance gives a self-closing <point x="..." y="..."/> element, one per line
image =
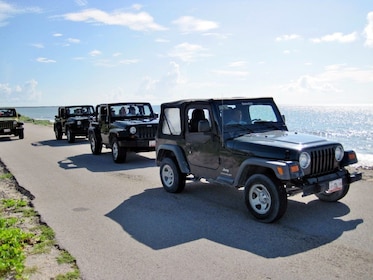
<point x="123" y="127"/>
<point x="245" y="143"/>
<point x="9" y="123"/>
<point x="73" y="121"/>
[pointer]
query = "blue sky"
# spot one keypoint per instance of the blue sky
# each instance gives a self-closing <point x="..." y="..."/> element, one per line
<point x="90" y="51"/>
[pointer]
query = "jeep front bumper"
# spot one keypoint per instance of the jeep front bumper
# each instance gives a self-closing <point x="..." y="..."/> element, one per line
<point x="323" y="183"/>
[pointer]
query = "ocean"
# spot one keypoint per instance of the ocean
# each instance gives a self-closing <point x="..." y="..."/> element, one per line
<point x="350" y="125"/>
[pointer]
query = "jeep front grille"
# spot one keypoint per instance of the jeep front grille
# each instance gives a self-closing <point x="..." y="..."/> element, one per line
<point x="322" y="161"/>
<point x="6" y="124"/>
<point x="146" y="132"/>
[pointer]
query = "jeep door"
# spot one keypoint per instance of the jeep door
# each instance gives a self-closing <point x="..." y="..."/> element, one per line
<point x="202" y="147"/>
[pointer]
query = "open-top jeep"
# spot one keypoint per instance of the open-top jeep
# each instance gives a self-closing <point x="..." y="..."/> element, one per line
<point x="245" y="143"/>
<point x="123" y="127"/>
<point x="9" y="123"/>
<point x="72" y="121"/>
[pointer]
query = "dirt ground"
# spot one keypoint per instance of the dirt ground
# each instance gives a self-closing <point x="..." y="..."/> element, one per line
<point x="43" y="266"/>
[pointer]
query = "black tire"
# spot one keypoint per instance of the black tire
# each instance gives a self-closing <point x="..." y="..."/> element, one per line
<point x="173" y="180"/>
<point x="265" y="200"/>
<point x="21" y="135"/>
<point x="58" y="132"/>
<point x="70" y="135"/>
<point x="96" y="145"/>
<point x="119" y="153"/>
<point x="335" y="196"/>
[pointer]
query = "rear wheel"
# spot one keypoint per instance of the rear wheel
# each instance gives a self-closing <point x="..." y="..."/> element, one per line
<point x="265" y="200"/>
<point x="96" y="145"/>
<point x="335" y="196"/>
<point x="173" y="180"/>
<point x="119" y="153"/>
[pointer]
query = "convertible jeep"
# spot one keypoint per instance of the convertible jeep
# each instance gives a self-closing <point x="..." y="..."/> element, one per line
<point x="72" y="121"/>
<point x="123" y="127"/>
<point x="245" y="143"/>
<point x="9" y="123"/>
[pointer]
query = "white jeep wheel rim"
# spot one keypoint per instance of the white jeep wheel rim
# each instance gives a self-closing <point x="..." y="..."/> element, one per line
<point x="168" y="175"/>
<point x="260" y="199"/>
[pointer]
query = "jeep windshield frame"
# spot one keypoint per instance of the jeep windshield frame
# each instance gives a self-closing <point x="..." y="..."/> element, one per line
<point x="8" y="113"/>
<point x="237" y="117"/>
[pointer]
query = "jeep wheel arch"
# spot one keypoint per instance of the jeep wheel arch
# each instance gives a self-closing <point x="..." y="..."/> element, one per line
<point x="167" y="150"/>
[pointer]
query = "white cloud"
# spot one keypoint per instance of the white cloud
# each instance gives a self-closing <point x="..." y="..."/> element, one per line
<point x="38" y="45"/>
<point x="27" y="92"/>
<point x="188" y="52"/>
<point x="95" y="53"/>
<point x="337" y="37"/>
<point x="368" y="31"/>
<point x="73" y="40"/>
<point x="330" y="80"/>
<point x="239" y="74"/>
<point x="57" y="35"/>
<point x="287" y="37"/>
<point x="45" y="60"/>
<point x="129" y="61"/>
<point x="8" y="10"/>
<point x="81" y="2"/>
<point x="141" y="21"/>
<point x="237" y="63"/>
<point x="189" y="24"/>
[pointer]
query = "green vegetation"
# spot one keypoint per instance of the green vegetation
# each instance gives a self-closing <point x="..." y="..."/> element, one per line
<point x="16" y="242"/>
<point x="13" y="240"/>
<point x="26" y="119"/>
<point x="6" y="176"/>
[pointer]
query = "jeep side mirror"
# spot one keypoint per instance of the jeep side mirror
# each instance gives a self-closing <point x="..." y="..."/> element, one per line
<point x="203" y="126"/>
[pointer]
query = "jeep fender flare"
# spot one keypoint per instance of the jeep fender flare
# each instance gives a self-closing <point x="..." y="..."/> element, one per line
<point x="281" y="169"/>
<point x="177" y="153"/>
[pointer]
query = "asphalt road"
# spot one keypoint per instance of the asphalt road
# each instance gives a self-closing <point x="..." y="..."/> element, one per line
<point x="120" y="224"/>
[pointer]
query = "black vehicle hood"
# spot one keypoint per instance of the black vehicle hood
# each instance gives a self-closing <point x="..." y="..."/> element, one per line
<point x="125" y="123"/>
<point x="272" y="143"/>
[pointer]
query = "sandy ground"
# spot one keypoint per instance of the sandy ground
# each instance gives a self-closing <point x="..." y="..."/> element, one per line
<point x="44" y="266"/>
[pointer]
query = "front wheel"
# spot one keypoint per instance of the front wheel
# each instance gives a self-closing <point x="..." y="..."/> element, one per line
<point x="173" y="180"/>
<point x="119" y="153"/>
<point x="335" y="196"/>
<point x="58" y="132"/>
<point x="70" y="136"/>
<point x="265" y="200"/>
<point x="96" y="145"/>
<point x="21" y="135"/>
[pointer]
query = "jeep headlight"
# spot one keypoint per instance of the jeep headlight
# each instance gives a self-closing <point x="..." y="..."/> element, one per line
<point x="339" y="153"/>
<point x="15" y="123"/>
<point x="304" y="160"/>
<point x="79" y="122"/>
<point x="132" y="130"/>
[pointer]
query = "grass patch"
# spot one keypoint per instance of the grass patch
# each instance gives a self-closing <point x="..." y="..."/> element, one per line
<point x="26" y="119"/>
<point x="6" y="176"/>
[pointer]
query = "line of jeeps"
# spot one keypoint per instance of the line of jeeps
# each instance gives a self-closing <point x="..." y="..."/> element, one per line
<point x="238" y="142"/>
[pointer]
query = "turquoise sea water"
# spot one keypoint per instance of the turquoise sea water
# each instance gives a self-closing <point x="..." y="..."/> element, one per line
<point x="350" y="125"/>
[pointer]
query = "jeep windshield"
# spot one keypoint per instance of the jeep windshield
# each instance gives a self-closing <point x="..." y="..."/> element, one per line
<point x="131" y="111"/>
<point x="79" y="111"/>
<point x="239" y="117"/>
<point x="7" y="113"/>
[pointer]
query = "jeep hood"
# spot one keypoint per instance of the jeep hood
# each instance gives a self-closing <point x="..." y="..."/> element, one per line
<point x="124" y="123"/>
<point x="266" y="141"/>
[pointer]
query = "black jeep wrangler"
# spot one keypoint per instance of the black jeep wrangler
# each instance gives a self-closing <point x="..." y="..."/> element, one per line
<point x="123" y="127"/>
<point x="245" y="143"/>
<point x="9" y="123"/>
<point x="73" y="121"/>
